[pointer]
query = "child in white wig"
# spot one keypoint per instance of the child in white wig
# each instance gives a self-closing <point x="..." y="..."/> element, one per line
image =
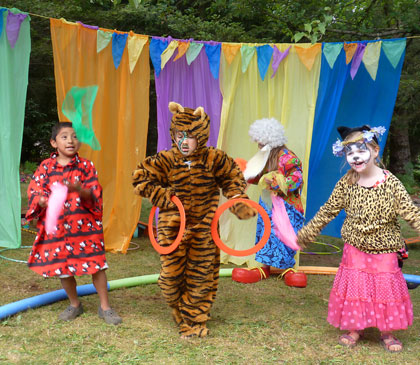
<point x="279" y="171"/>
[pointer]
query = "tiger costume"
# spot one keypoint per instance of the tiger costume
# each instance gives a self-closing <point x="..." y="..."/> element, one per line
<point x="189" y="275"/>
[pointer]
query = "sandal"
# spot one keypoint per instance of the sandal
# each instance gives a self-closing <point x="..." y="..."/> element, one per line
<point x="388" y="341"/>
<point x="347" y="340"/>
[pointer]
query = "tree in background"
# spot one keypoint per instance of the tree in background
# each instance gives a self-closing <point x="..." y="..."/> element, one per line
<point x="259" y="21"/>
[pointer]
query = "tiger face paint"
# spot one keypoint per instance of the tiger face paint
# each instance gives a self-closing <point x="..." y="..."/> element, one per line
<point x="186" y="143"/>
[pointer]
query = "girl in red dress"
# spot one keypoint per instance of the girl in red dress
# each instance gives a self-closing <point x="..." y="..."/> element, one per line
<point x="76" y="247"/>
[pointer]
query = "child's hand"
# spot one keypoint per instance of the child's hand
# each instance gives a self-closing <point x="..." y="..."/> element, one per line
<point x="43" y="202"/>
<point x="243" y="210"/>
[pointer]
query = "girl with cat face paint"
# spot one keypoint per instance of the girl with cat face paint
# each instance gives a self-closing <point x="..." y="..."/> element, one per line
<point x="369" y="289"/>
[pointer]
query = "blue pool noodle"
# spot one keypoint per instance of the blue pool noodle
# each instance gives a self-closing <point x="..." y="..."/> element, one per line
<point x="42" y="299"/>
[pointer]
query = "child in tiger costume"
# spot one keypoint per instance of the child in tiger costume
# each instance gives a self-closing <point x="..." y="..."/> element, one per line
<point x="194" y="173"/>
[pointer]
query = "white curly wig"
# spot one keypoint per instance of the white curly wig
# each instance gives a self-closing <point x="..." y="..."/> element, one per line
<point x="268" y="132"/>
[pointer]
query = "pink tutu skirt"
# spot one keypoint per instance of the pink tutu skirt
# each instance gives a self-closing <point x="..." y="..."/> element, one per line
<point x="369" y="291"/>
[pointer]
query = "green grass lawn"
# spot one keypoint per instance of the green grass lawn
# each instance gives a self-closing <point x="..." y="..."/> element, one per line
<point x="263" y="323"/>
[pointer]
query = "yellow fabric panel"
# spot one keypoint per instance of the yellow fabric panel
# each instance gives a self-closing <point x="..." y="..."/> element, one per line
<point x="290" y="96"/>
<point x="120" y="120"/>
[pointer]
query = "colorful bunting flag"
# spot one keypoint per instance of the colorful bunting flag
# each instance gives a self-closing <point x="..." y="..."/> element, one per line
<point x="102" y="40"/>
<point x="357" y="59"/>
<point x="182" y="48"/>
<point x="2" y="10"/>
<point x="213" y="51"/>
<point x="393" y="49"/>
<point x="135" y="46"/>
<point x="371" y="58"/>
<point x="278" y="56"/>
<point x="193" y="51"/>
<point x="349" y="48"/>
<point x="157" y="46"/>
<point x="307" y="55"/>
<point x="94" y="27"/>
<point x="13" y="24"/>
<point x="331" y="52"/>
<point x="230" y="50"/>
<point x="264" y="54"/>
<point x="167" y="53"/>
<point x="246" y="52"/>
<point x="118" y="44"/>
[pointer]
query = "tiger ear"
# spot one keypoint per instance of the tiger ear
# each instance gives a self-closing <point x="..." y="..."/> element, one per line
<point x="200" y="111"/>
<point x="175" y="108"/>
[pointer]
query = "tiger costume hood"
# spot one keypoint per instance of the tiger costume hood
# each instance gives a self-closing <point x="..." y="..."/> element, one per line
<point x="188" y="120"/>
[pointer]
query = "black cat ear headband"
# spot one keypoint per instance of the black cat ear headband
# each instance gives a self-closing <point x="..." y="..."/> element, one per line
<point x="368" y="134"/>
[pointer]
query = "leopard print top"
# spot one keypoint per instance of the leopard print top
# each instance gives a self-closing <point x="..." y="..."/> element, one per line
<point x="371" y="223"/>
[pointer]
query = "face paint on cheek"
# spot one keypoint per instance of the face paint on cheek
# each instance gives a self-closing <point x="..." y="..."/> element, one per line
<point x="357" y="153"/>
<point x="181" y="142"/>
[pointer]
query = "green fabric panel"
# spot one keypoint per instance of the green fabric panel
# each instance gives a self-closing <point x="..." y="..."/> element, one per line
<point x="14" y="68"/>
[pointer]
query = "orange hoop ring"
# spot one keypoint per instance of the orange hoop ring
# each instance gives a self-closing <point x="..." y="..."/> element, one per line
<point x="175" y="244"/>
<point x="250" y="251"/>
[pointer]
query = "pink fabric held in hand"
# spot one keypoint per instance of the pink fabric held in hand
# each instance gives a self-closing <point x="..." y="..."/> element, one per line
<point x="281" y="222"/>
<point x="55" y="206"/>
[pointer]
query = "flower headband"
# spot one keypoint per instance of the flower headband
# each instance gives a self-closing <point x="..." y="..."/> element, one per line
<point x="366" y="136"/>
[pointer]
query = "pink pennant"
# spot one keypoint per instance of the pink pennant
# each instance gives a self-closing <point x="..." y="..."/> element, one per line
<point x="14" y="22"/>
<point x="278" y="56"/>
<point x="55" y="206"/>
<point x="282" y="226"/>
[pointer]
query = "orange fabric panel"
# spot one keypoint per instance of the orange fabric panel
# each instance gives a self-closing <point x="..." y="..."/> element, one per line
<point x="120" y="119"/>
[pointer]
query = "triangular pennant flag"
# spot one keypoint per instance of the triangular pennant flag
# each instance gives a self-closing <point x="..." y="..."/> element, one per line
<point x="2" y="10"/>
<point x="193" y="51"/>
<point x="135" y="45"/>
<point x="393" y="49"/>
<point x="357" y="59"/>
<point x="264" y="54"/>
<point x="77" y="107"/>
<point x="167" y="53"/>
<point x="213" y="51"/>
<point x="94" y="27"/>
<point x="371" y="58"/>
<point x="349" y="48"/>
<point x="230" y="50"/>
<point x="246" y="53"/>
<point x="67" y="22"/>
<point x="13" y="24"/>
<point x="102" y="40"/>
<point x="157" y="46"/>
<point x="118" y="46"/>
<point x="331" y="52"/>
<point x="278" y="56"/>
<point x="182" y="48"/>
<point x="307" y="55"/>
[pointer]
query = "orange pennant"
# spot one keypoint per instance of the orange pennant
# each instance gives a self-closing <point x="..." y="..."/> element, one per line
<point x="307" y="55"/>
<point x="350" y="49"/>
<point x="182" y="48"/>
<point x="230" y="50"/>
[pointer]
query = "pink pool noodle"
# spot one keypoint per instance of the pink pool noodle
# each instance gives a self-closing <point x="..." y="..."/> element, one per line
<point x="282" y="226"/>
<point x="55" y="206"/>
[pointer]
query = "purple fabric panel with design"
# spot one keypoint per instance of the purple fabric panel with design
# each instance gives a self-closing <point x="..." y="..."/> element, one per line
<point x="191" y="86"/>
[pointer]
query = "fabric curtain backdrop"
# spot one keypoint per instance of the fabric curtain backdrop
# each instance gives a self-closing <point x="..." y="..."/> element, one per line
<point x="343" y="101"/>
<point x="14" y="67"/>
<point x="191" y="86"/>
<point x="290" y="96"/>
<point x="120" y="119"/>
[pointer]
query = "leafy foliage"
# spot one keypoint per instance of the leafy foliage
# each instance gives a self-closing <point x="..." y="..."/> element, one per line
<point x="259" y="21"/>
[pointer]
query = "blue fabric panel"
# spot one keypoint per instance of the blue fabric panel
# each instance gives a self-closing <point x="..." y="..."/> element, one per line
<point x="360" y="101"/>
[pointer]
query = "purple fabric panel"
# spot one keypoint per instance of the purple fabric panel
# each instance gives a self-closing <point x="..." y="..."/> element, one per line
<point x="191" y="86"/>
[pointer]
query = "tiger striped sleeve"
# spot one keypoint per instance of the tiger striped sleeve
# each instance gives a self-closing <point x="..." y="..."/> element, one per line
<point x="150" y="180"/>
<point x="228" y="175"/>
